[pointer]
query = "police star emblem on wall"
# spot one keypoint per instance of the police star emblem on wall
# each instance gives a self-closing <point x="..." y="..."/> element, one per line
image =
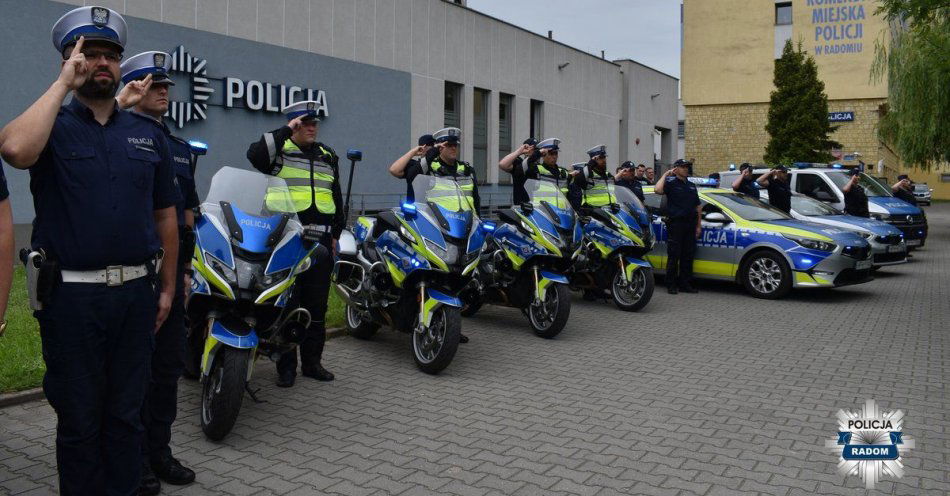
<point x="201" y="90"/>
<point x="870" y="443"/>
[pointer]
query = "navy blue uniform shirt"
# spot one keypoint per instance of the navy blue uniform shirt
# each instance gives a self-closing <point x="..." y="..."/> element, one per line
<point x="749" y="187"/>
<point x="181" y="158"/>
<point x="780" y="195"/>
<point x="681" y="199"/>
<point x="632" y="185"/>
<point x="95" y="189"/>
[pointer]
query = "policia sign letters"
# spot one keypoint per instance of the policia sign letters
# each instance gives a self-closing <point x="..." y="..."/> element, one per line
<point x="234" y="92"/>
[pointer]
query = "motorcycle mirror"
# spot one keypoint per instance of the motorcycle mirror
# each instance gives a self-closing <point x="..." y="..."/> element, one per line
<point x="527" y="207"/>
<point x="354" y="155"/>
<point x="615" y="207"/>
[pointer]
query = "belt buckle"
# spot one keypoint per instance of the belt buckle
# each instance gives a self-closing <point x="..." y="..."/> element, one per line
<point x="114" y="275"/>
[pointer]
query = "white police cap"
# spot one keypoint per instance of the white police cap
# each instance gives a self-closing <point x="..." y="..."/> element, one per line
<point x="597" y="150"/>
<point x="306" y="107"/>
<point x="155" y="63"/>
<point x="550" y="144"/>
<point x="94" y="23"/>
<point x="448" y="135"/>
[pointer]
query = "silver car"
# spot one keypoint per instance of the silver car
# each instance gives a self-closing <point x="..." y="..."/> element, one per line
<point x="923" y="193"/>
<point x="887" y="242"/>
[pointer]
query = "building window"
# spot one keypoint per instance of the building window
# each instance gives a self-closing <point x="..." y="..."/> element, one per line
<point x="453" y="105"/>
<point x="537" y="119"/>
<point x="681" y="130"/>
<point x="480" y="134"/>
<point x="783" y="13"/>
<point x="945" y="178"/>
<point x="505" y="124"/>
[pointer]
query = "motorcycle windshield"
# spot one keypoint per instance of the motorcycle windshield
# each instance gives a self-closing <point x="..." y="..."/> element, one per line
<point x="629" y="203"/>
<point x="541" y="193"/>
<point x="444" y="195"/>
<point x="250" y="203"/>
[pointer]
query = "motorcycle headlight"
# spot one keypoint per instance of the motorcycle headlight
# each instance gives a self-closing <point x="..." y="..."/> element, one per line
<point x="271" y="279"/>
<point x="221" y="269"/>
<point x="812" y="244"/>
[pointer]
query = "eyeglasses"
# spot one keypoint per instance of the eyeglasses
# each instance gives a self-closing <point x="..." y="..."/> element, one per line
<point x="109" y="55"/>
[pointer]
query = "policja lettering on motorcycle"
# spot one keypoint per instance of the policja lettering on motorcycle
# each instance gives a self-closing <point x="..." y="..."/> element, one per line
<point x="104" y="194"/>
<point x="310" y="170"/>
<point x="150" y="71"/>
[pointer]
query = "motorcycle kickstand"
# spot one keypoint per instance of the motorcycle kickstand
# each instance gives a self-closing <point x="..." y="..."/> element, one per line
<point x="253" y="394"/>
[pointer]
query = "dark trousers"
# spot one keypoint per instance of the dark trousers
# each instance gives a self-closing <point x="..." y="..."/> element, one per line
<point x="680" y="250"/>
<point x="97" y="345"/>
<point x="314" y="288"/>
<point x="168" y="362"/>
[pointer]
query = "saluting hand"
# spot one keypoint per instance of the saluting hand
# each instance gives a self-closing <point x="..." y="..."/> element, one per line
<point x="133" y="92"/>
<point x="296" y="122"/>
<point x="419" y="151"/>
<point x="75" y="70"/>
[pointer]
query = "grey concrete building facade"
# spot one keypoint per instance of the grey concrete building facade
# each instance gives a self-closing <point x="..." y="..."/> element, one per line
<point x="388" y="70"/>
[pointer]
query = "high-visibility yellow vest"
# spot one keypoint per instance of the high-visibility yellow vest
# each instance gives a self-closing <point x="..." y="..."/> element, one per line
<point x="553" y="186"/>
<point x="597" y="193"/>
<point x="306" y="188"/>
<point x="462" y="177"/>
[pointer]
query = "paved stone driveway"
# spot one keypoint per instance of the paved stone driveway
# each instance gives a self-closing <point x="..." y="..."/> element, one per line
<point x="711" y="394"/>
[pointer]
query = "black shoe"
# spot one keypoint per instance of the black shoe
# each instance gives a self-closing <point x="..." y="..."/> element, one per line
<point x="463" y="338"/>
<point x="318" y="372"/>
<point x="690" y="289"/>
<point x="149" y="485"/>
<point x="172" y="471"/>
<point x="672" y="290"/>
<point x="286" y="379"/>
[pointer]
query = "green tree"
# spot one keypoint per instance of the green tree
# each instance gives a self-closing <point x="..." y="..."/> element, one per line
<point x="798" y="123"/>
<point x="916" y="64"/>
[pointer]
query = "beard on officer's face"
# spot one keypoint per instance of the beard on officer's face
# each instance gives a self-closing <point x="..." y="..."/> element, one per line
<point x="100" y="89"/>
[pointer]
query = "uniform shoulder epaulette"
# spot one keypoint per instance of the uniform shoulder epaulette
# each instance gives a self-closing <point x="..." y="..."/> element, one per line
<point x="179" y="140"/>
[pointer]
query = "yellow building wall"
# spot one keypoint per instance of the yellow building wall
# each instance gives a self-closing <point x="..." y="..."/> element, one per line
<point x="729" y="48"/>
<point x="719" y="135"/>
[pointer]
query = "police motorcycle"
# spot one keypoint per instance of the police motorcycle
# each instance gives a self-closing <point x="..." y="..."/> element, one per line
<point x="617" y="234"/>
<point x="249" y="249"/>
<point x="405" y="267"/>
<point x="526" y="259"/>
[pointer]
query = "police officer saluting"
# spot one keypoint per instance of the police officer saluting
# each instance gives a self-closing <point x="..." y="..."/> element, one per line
<point x="293" y="153"/>
<point x="626" y="177"/>
<point x="442" y="160"/>
<point x="168" y="361"/>
<point x="104" y="194"/>
<point x="904" y="189"/>
<point x="536" y="161"/>
<point x="776" y="182"/>
<point x="590" y="184"/>
<point x="683" y="226"/>
<point x="416" y="159"/>
<point x="745" y="183"/>
<point x="855" y="199"/>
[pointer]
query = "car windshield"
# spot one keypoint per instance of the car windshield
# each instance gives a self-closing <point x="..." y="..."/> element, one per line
<point x="870" y="185"/>
<point x="748" y="208"/>
<point x="250" y="192"/>
<point x="440" y="191"/>
<point x="810" y="207"/>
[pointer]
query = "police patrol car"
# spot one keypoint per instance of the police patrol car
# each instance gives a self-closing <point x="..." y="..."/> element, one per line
<point x="887" y="241"/>
<point x="824" y="183"/>
<point x="767" y="251"/>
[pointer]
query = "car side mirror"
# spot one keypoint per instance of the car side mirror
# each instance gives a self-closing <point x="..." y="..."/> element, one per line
<point x="716" y="217"/>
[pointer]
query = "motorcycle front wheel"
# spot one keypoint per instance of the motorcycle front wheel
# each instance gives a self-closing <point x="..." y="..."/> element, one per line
<point x="550" y="316"/>
<point x="632" y="295"/>
<point x="223" y="392"/>
<point x="434" y="348"/>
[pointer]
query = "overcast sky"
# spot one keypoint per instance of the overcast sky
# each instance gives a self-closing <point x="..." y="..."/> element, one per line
<point x="647" y="31"/>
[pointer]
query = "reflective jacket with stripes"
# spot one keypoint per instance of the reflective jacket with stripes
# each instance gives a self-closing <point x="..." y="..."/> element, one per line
<point x="268" y="156"/>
